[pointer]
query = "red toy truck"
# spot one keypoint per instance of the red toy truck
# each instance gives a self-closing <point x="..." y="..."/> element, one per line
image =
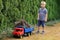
<point x="18" y="32"/>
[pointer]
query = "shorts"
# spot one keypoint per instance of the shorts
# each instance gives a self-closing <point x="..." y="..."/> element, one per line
<point x="41" y="23"/>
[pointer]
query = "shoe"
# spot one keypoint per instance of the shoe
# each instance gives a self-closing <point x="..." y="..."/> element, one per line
<point x="42" y="32"/>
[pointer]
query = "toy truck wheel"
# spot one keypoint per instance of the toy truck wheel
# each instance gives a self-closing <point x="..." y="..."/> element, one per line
<point x="21" y="36"/>
<point x="14" y="36"/>
<point x="28" y="34"/>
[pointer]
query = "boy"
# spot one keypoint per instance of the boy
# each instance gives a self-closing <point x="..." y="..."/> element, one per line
<point x="42" y="16"/>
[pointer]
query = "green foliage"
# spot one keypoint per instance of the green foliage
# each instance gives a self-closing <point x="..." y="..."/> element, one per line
<point x="1" y="5"/>
<point x="52" y="9"/>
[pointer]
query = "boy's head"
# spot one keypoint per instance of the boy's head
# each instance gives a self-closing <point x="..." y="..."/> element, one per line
<point x="43" y="4"/>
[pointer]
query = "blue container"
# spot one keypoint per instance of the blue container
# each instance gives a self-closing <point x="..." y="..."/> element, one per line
<point x="27" y="30"/>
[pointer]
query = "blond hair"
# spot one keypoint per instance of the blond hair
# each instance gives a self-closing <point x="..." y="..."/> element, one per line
<point x="43" y="2"/>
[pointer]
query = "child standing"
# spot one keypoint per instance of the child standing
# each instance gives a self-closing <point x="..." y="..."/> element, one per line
<point x="42" y="16"/>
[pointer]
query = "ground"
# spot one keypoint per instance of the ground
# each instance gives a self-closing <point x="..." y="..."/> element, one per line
<point x="51" y="33"/>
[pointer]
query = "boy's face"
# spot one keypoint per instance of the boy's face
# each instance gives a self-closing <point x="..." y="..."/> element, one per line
<point x="43" y="5"/>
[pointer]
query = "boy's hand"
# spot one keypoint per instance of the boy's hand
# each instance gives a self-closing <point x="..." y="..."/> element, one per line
<point x="37" y="18"/>
<point x="45" y="20"/>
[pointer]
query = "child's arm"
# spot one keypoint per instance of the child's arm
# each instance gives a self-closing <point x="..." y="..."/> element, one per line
<point x="38" y="17"/>
<point x="46" y="17"/>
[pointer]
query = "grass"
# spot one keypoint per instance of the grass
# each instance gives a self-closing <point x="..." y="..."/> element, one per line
<point x="6" y="33"/>
<point x="51" y="23"/>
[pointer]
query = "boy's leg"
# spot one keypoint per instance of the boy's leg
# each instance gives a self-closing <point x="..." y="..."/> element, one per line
<point x="43" y="25"/>
<point x="39" y="23"/>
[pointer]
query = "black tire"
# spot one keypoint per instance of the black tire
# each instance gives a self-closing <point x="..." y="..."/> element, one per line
<point x="27" y="34"/>
<point x="21" y="36"/>
<point x="15" y="36"/>
<point x="30" y="33"/>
